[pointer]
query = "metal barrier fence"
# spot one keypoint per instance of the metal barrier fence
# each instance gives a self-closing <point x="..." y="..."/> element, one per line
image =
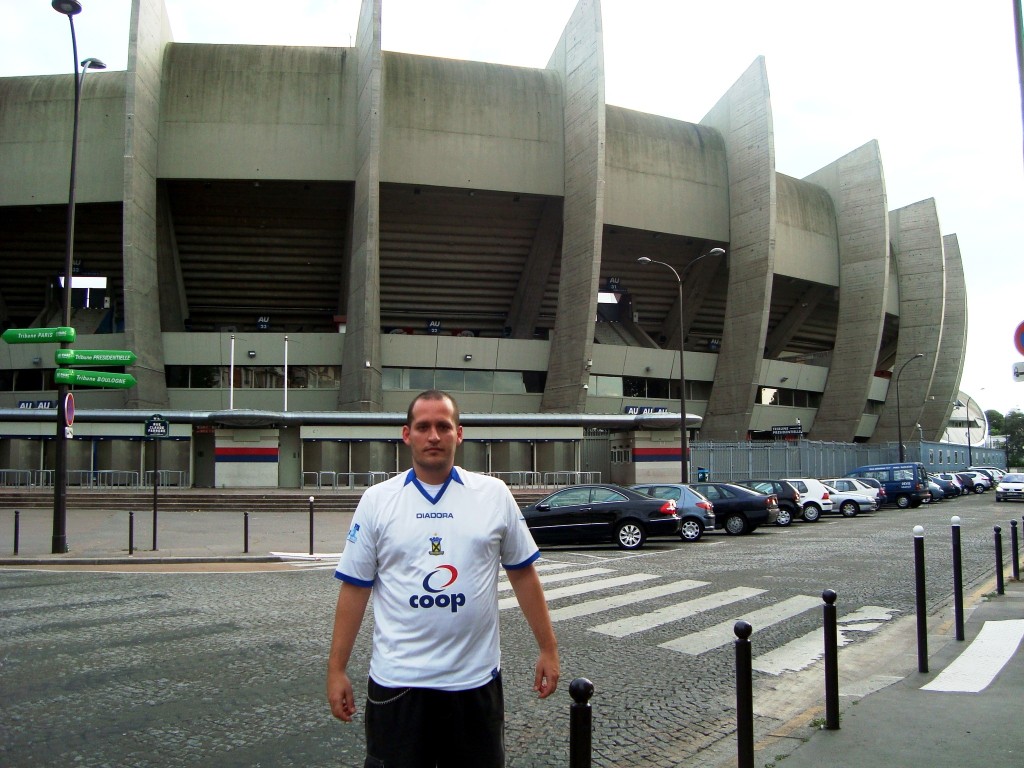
<point x="571" y="478"/>
<point x="522" y="479"/>
<point x="15" y="477"/>
<point x="349" y="480"/>
<point x="173" y="478"/>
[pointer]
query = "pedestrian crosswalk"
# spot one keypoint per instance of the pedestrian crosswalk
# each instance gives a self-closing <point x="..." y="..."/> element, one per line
<point x="653" y="603"/>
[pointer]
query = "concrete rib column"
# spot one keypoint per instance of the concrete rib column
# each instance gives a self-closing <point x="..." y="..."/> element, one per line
<point x="857" y="187"/>
<point x="150" y="32"/>
<point x="579" y="59"/>
<point x="949" y="366"/>
<point x="917" y="248"/>
<point x="361" y="382"/>
<point x="743" y="117"/>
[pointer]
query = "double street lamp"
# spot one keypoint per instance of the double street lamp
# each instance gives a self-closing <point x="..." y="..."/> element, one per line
<point x="684" y="438"/>
<point x="59" y="542"/>
<point x="899" y="416"/>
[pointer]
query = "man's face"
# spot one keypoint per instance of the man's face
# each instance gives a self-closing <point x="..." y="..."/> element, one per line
<point x="433" y="437"/>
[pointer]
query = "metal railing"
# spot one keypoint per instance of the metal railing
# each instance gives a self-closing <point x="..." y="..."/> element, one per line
<point x="520" y="479"/>
<point x="15" y="477"/>
<point x="348" y="480"/>
<point x="571" y="478"/>
<point x="167" y="478"/>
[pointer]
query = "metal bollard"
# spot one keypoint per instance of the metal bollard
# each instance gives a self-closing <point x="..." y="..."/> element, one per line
<point x="580" y="723"/>
<point x="245" y="531"/>
<point x="1000" y="587"/>
<point x="922" y="611"/>
<point x="831" y="634"/>
<point x="744" y="696"/>
<point x="17" y="526"/>
<point x="131" y="534"/>
<point x="958" y="580"/>
<point x="310" y="526"/>
<point x="1015" y="550"/>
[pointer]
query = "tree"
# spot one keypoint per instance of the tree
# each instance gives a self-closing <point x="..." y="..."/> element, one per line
<point x="995" y="422"/>
<point x="1013" y="429"/>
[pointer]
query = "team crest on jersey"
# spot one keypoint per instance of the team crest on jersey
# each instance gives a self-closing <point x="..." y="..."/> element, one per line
<point x="435" y="546"/>
<point x="353" y="533"/>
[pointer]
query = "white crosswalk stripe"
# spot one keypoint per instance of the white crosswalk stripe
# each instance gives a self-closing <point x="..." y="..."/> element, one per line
<point x="720" y="634"/>
<point x="581" y="589"/>
<point x="554" y="578"/>
<point x="978" y="665"/>
<point x="634" y="624"/>
<point x="629" y="598"/>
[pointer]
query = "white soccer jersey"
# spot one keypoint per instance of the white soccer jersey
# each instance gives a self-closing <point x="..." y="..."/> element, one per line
<point x="433" y="565"/>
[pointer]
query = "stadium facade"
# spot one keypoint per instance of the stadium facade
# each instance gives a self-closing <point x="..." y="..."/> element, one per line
<point x="312" y="230"/>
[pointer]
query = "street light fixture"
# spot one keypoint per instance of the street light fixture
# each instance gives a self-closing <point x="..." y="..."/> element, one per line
<point x="59" y="542"/>
<point x="899" y="418"/>
<point x="684" y="438"/>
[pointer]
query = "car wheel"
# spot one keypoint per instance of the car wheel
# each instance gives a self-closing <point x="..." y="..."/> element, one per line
<point x="785" y="517"/>
<point x="630" y="535"/>
<point x="902" y="501"/>
<point x="849" y="508"/>
<point x="692" y="530"/>
<point x="735" y="525"/>
<point x="812" y="513"/>
<point x="979" y="488"/>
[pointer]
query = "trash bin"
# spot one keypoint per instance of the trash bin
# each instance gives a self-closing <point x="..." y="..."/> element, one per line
<point x="703" y="474"/>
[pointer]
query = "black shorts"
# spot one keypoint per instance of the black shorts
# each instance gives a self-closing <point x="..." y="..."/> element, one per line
<point x="427" y="728"/>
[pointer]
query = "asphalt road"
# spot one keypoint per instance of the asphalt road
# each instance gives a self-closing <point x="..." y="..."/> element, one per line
<point x="227" y="668"/>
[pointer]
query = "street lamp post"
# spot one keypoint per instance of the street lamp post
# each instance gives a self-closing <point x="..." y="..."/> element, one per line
<point x="59" y="542"/>
<point x="970" y="460"/>
<point x="899" y="415"/>
<point x="684" y="438"/>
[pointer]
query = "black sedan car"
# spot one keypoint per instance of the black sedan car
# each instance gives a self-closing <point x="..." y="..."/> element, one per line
<point x="786" y="494"/>
<point x="584" y="514"/>
<point x="738" y="509"/>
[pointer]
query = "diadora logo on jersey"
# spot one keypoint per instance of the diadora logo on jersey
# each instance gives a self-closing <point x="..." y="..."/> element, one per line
<point x="434" y="583"/>
<point x="353" y="533"/>
<point x="435" y="546"/>
<point x="435" y="516"/>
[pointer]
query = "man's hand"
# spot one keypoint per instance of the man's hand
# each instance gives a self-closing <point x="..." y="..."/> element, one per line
<point x="339" y="694"/>
<point x="545" y="680"/>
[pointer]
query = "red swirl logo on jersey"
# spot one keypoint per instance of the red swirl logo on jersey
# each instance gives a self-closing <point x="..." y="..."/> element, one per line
<point x="432" y="579"/>
<point x="435" y="583"/>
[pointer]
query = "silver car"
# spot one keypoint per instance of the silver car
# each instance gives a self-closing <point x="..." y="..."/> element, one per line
<point x="1011" y="487"/>
<point x="851" y="503"/>
<point x="697" y="513"/>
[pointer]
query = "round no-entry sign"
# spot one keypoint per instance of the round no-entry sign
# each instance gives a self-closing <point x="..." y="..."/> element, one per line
<point x="1018" y="338"/>
<point x="69" y="409"/>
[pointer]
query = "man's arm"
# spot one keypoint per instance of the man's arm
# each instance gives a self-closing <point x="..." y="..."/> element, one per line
<point x="348" y="617"/>
<point x="526" y="584"/>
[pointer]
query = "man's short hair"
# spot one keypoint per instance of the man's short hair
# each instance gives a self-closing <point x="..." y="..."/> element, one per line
<point x="432" y="394"/>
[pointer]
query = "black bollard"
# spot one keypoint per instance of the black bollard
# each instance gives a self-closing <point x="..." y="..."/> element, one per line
<point x="17" y="525"/>
<point x="131" y="534"/>
<point x="310" y="526"/>
<point x="245" y="530"/>
<point x="958" y="580"/>
<point x="922" y="610"/>
<point x="1000" y="587"/>
<point x="831" y="634"/>
<point x="1015" y="551"/>
<point x="580" y="723"/>
<point x="744" y="696"/>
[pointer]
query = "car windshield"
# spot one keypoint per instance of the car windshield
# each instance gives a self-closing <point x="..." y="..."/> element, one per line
<point x="1013" y="478"/>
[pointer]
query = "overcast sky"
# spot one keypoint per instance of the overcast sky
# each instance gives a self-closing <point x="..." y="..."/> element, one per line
<point x="934" y="81"/>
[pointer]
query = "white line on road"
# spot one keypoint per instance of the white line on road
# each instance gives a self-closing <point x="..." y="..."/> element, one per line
<point x="579" y="589"/>
<point x="616" y="601"/>
<point x="977" y="666"/>
<point x="554" y="578"/>
<point x="670" y="613"/>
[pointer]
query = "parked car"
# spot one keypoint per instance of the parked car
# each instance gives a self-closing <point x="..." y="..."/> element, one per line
<point x="594" y="513"/>
<point x="859" y="485"/>
<point x="950" y="490"/>
<point x="814" y="498"/>
<point x="696" y="512"/>
<point x="955" y="480"/>
<point x="935" y="492"/>
<point x="980" y="481"/>
<point x="738" y="509"/>
<point x="993" y="472"/>
<point x="967" y="482"/>
<point x="851" y="503"/>
<point x="786" y="493"/>
<point x="906" y="483"/>
<point x="1010" y="488"/>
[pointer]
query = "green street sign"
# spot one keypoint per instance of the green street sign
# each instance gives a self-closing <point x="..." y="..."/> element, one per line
<point x="94" y="357"/>
<point x="84" y="378"/>
<point x="39" y="335"/>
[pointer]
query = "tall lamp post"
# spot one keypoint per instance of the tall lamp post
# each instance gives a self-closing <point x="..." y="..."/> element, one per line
<point x="899" y="415"/>
<point x="59" y="542"/>
<point x="684" y="438"/>
<point x="970" y="460"/>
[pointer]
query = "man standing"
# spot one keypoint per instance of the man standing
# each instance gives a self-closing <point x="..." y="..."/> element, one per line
<point x="428" y="543"/>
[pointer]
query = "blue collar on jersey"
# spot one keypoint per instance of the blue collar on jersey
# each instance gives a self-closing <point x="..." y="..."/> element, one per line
<point x="411" y="478"/>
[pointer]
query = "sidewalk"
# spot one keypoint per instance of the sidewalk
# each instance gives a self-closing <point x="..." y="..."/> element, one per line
<point x="928" y="718"/>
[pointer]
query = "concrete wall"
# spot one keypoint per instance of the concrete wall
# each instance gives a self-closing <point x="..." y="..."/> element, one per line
<point x="744" y="118"/>
<point x="36" y="121"/>
<point x="471" y="125"/>
<point x="857" y="186"/>
<point x="806" y="244"/>
<point x="665" y="175"/>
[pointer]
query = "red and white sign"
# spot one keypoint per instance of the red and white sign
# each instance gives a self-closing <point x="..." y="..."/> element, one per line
<point x="69" y="409"/>
<point x="1018" y="338"/>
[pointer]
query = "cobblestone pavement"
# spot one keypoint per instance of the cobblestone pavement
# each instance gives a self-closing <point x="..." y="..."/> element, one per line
<point x="227" y="669"/>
